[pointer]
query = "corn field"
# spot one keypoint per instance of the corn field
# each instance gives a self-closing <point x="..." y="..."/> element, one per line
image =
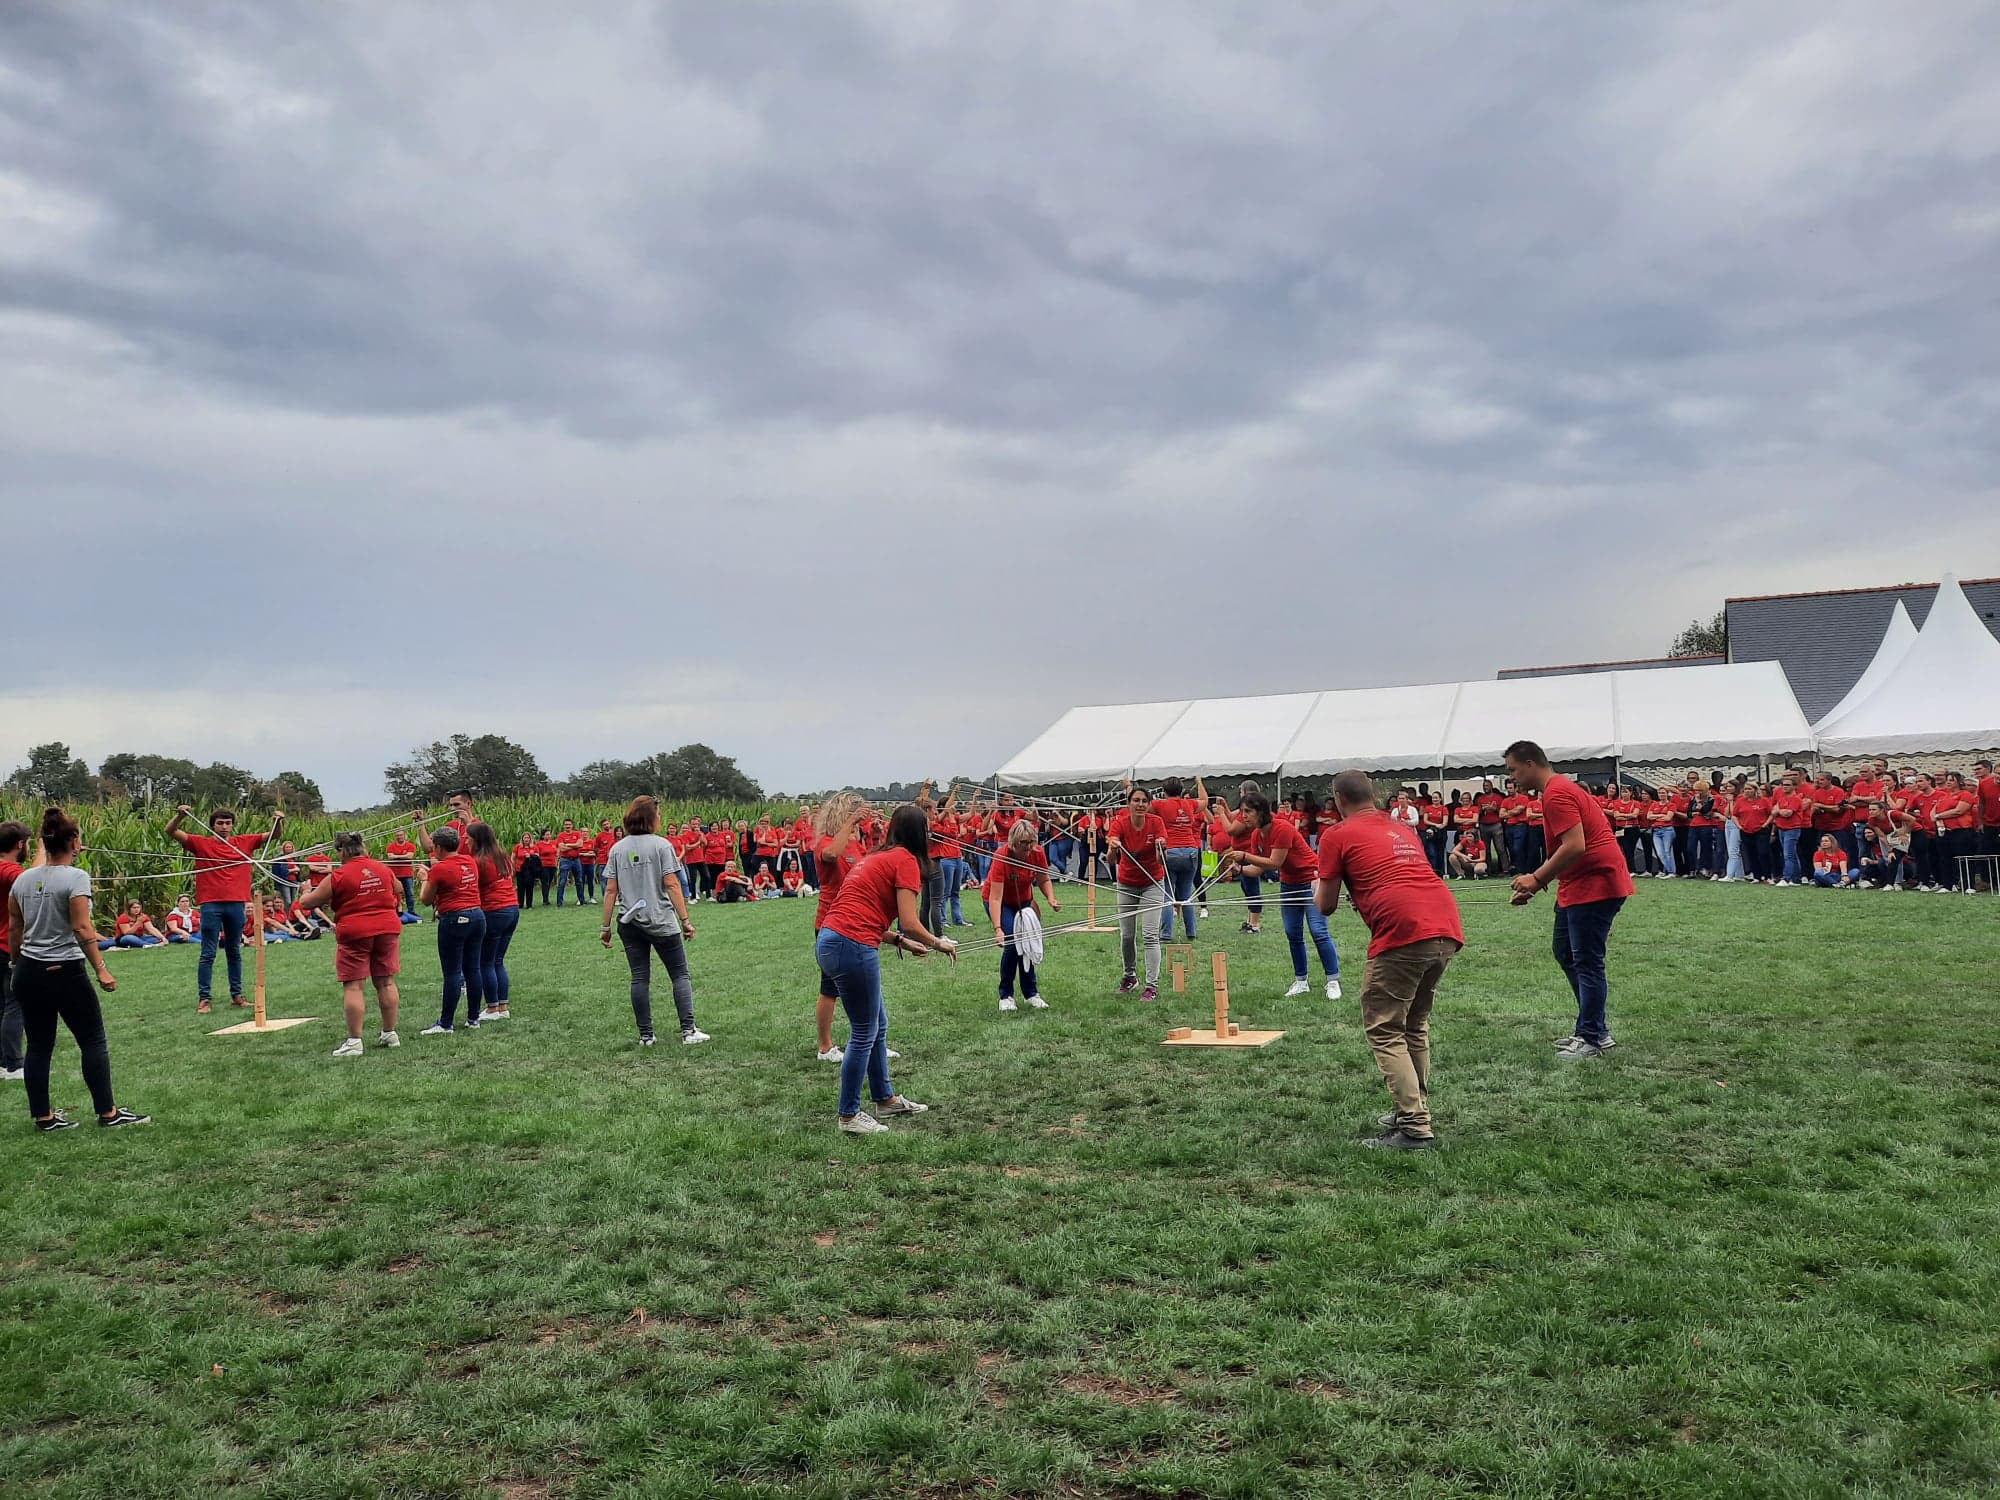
<point x="123" y="846"/>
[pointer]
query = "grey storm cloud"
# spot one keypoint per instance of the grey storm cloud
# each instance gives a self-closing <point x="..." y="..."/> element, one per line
<point x="1029" y="353"/>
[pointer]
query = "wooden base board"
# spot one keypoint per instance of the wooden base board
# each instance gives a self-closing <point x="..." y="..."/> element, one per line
<point x="1210" y="1039"/>
<point x="271" y="1023"/>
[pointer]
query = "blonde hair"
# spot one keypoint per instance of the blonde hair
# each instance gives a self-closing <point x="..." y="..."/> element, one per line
<point x="835" y="812"/>
<point x="1022" y="834"/>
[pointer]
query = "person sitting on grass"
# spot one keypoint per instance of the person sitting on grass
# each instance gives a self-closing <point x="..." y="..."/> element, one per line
<point x="278" y="924"/>
<point x="794" y="879"/>
<point x="183" y="922"/>
<point x="733" y="885"/>
<point x="1830" y="863"/>
<point x="762" y="885"/>
<point x="1467" y="859"/>
<point x="366" y="895"/>
<point x="133" y="929"/>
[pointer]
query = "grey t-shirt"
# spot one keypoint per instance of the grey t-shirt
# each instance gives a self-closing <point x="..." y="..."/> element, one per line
<point x="45" y="893"/>
<point x="641" y="863"/>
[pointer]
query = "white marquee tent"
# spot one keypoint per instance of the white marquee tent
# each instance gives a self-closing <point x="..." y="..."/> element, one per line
<point x="1942" y="694"/>
<point x="1734" y="712"/>
<point x="1896" y="643"/>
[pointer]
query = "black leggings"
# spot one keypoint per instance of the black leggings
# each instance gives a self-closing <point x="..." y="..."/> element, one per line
<point x="524" y="883"/>
<point x="45" y="991"/>
<point x="639" y="948"/>
<point x="548" y="878"/>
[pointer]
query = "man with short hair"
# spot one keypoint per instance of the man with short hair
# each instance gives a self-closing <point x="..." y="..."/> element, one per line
<point x="222" y="877"/>
<point x="1488" y="802"/>
<point x="1414" y="933"/>
<point x="1987" y="785"/>
<point x="1592" y="883"/>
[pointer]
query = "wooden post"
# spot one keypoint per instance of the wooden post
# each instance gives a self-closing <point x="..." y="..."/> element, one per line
<point x="1222" y="994"/>
<point x="257" y="943"/>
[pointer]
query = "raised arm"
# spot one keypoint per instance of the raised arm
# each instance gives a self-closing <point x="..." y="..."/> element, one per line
<point x="173" y="828"/>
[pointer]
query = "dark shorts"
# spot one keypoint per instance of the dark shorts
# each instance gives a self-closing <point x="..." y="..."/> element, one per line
<point x="367" y="958"/>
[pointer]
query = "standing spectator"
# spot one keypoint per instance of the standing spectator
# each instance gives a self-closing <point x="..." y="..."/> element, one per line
<point x="51" y="936"/>
<point x="1592" y="885"/>
<point x="1414" y="933"/>
<point x="1955" y="811"/>
<point x="526" y="868"/>
<point x="1660" y="815"/>
<point x="1751" y="814"/>
<point x="645" y="898"/>
<point x="1987" y="788"/>
<point x="399" y="856"/>
<point x="287" y="874"/>
<point x="368" y="937"/>
<point x="13" y="844"/>
<point x="1826" y="798"/>
<point x="1437" y="829"/>
<point x="570" y="844"/>
<point x="1487" y="803"/>
<point x="545" y="852"/>
<point x="1791" y="814"/>
<point x="1734" y="866"/>
<point x="1514" y="828"/>
<point x="1627" y="815"/>
<point x="451" y="890"/>
<point x="222" y="874"/>
<point x="599" y="847"/>
<point x="1704" y="818"/>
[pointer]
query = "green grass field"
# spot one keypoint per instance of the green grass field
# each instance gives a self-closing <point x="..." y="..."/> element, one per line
<point x="1755" y="1251"/>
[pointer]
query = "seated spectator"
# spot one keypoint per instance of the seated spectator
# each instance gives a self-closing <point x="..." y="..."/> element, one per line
<point x="1468" y="857"/>
<point x="184" y="922"/>
<point x="794" y="879"/>
<point x="733" y="885"/>
<point x="132" y="929"/>
<point x="763" y="883"/>
<point x="1881" y="865"/>
<point x="1830" y="863"/>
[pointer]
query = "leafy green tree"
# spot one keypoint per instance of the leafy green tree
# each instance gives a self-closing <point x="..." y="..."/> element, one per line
<point x="301" y="794"/>
<point x="610" y="781"/>
<point x="1699" y="639"/>
<point x="697" y="771"/>
<point x="489" y="765"/>
<point x="147" y="778"/>
<point x="52" y="774"/>
<point x="222" y="785"/>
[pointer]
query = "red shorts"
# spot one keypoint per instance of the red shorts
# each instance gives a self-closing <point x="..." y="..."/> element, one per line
<point x="367" y="958"/>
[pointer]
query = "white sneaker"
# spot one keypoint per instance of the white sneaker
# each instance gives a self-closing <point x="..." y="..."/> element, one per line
<point x="832" y="1054"/>
<point x="695" y="1037"/>
<point x="502" y="1014"/>
<point x="902" y="1106"/>
<point x="1333" y="989"/>
<point x="862" y="1124"/>
<point x="13" y="1075"/>
<point x="435" y="1031"/>
<point x="1204" y="914"/>
<point x="350" y="1048"/>
<point x="892" y="1052"/>
<point x="1299" y="987"/>
<point x="1006" y="1002"/>
<point x="1036" y="1002"/>
<point x="388" y="1039"/>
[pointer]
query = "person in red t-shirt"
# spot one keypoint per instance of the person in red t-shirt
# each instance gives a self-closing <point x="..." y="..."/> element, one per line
<point x="1182" y="816"/>
<point x="838" y="849"/>
<point x="451" y="889"/>
<point x="183" y="922"/>
<point x="547" y="861"/>
<point x="1830" y="863"/>
<point x="400" y="855"/>
<point x="1752" y="811"/>
<point x="884" y="890"/>
<point x="571" y="842"/>
<point x="1436" y="829"/>
<point x="222" y="875"/>
<point x="1592" y="884"/>
<point x="1269" y="846"/>
<point x="1018" y="871"/>
<point x="1414" y="933"/>
<point x="1986" y="789"/>
<point x="13" y="1030"/>
<point x="1486" y="803"/>
<point x="1139" y="839"/>
<point x="368" y="935"/>
<point x="501" y="906"/>
<point x="1955" y="811"/>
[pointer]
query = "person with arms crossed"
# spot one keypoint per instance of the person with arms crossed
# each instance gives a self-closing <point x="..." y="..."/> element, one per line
<point x="1592" y="884"/>
<point x="222" y="877"/>
<point x="52" y="937"/>
<point x="399" y="854"/>
<point x="364" y="896"/>
<point x="1414" y="933"/>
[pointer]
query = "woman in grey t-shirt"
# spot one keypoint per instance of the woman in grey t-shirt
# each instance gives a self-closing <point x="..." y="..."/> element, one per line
<point x="644" y="900"/>
<point x="53" y="937"/>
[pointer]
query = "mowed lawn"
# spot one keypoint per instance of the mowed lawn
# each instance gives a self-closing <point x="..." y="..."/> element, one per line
<point x="1755" y="1251"/>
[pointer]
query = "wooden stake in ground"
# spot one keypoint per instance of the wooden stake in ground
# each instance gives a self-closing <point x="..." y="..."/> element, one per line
<point x="259" y="1021"/>
<point x="1181" y="956"/>
<point x="1226" y="1033"/>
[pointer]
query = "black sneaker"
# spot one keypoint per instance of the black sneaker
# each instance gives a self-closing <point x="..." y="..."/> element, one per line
<point x="1401" y="1140"/>
<point x="57" y="1120"/>
<point x="119" y="1117"/>
<point x="1246" y="927"/>
<point x="647" y="1039"/>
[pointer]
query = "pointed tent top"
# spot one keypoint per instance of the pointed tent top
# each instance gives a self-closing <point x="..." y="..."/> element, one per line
<point x="1943" y="696"/>
<point x="1896" y="642"/>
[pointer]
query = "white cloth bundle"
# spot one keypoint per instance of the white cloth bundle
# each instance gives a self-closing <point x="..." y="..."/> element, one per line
<point x="1028" y="937"/>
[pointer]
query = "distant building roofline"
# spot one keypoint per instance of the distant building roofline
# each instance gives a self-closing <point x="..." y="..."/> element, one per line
<point x="1632" y="661"/>
<point x="1874" y="588"/>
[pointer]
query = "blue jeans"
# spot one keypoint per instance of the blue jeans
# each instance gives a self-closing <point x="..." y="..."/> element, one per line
<point x="856" y="972"/>
<point x="1850" y="841"/>
<point x="1010" y="961"/>
<point x="1301" y="915"/>
<point x="1253" y="891"/>
<point x="1183" y="875"/>
<point x="954" y="872"/>
<point x="499" y="933"/>
<point x="1663" y="849"/>
<point x="409" y="885"/>
<point x="1732" y="840"/>
<point x="460" y="937"/>
<point x="221" y="922"/>
<point x="1583" y="932"/>
<point x="130" y="940"/>
<point x="1060" y="851"/>
<point x="568" y="870"/>
<point x="1517" y="847"/>
<point x="1788" y="839"/>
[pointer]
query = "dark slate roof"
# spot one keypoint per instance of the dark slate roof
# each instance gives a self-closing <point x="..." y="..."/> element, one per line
<point x="1826" y="640"/>
<point x="1587" y="668"/>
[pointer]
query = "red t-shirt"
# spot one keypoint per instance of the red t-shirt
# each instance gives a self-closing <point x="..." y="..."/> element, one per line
<point x="1535" y="813"/>
<point x="545" y="851"/>
<point x="1013" y="876"/>
<point x="1139" y="863"/>
<point x="457" y="881"/>
<point x="767" y="839"/>
<point x="601" y="845"/>
<point x="401" y="853"/>
<point x="1954" y="808"/>
<point x="1488" y="804"/>
<point x="1435" y="814"/>
<point x="364" y="899"/>
<point x="1710" y="819"/>
<point x="1465" y="815"/>
<point x="570" y="843"/>
<point x="1752" y="813"/>
<point x="128" y="924"/>
<point x="1626" y="811"/>
<point x="1472" y="848"/>
<point x="177" y="920"/>
<point x="1989" y="800"/>
<point x="1514" y="808"/>
<point x="1826" y="802"/>
<point x="496" y="887"/>
<point x="1789" y="809"/>
<point x="1288" y="843"/>
<point x="1390" y="881"/>
<point x="866" y="905"/>
<point x="715" y="846"/>
<point x="832" y="872"/>
<point x="1183" y="817"/>
<point x="1218" y="835"/>
<point x="1601" y="873"/>
<point x="221" y="870"/>
<point x="9" y="873"/>
<point x="944" y="836"/>
<point x="1830" y="859"/>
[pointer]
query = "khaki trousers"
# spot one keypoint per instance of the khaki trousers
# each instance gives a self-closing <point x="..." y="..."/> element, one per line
<point x="1396" y="996"/>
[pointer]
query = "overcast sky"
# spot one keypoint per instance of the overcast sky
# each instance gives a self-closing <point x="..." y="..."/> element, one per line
<point x="855" y="386"/>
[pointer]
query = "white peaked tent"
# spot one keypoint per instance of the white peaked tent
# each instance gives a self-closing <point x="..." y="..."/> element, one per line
<point x="1943" y="695"/>
<point x="1896" y="643"/>
<point x="1734" y="712"/>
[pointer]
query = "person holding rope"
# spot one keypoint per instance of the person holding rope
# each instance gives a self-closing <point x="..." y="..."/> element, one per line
<point x="222" y="875"/>
<point x="882" y="892"/>
<point x="364" y="896"/>
<point x="1018" y="872"/>
<point x="1592" y="883"/>
<point x="645" y="898"/>
<point x="52" y="937"/>
<point x="1183" y="818"/>
<point x="1138" y="837"/>
<point x="399" y="854"/>
<point x="451" y="890"/>
<point x="1414" y="933"/>
<point x="500" y="905"/>
<point x="13" y="1032"/>
<point x="838" y="850"/>
<point x="1268" y="845"/>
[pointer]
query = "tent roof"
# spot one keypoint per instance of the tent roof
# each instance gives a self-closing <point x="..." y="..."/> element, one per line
<point x="1102" y="743"/>
<point x="1235" y="736"/>
<point x="1373" y="729"/>
<point x="1572" y="718"/>
<point x="1709" y="713"/>
<point x="1895" y="644"/>
<point x="1942" y="695"/>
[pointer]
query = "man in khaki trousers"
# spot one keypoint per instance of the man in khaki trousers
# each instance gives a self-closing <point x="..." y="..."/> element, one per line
<point x="1415" y="932"/>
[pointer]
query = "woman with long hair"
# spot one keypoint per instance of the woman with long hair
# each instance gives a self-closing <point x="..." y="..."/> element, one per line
<point x="500" y="901"/>
<point x="451" y="890"/>
<point x="1271" y="846"/>
<point x="52" y="937"/>
<point x="365" y="896"/>
<point x="837" y="850"/>
<point x="645" y="897"/>
<point x="885" y="889"/>
<point x="1139" y="837"/>
<point x="1018" y="872"/>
